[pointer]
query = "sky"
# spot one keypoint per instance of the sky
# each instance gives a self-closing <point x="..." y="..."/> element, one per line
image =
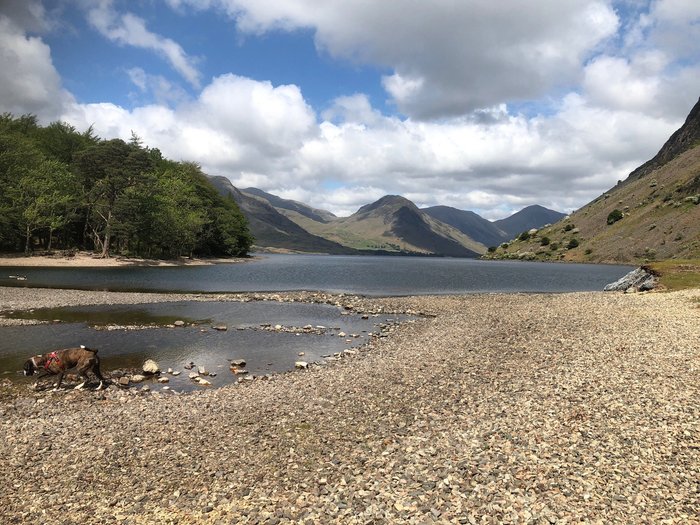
<point x="482" y="105"/>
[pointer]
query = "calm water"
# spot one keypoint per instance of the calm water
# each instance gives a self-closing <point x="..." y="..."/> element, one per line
<point x="264" y="351"/>
<point x="341" y="274"/>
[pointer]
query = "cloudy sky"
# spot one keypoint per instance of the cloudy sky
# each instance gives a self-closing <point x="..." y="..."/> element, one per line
<point x="478" y="104"/>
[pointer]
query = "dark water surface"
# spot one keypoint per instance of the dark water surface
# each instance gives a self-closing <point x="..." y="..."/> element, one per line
<point x="382" y="276"/>
<point x="264" y="351"/>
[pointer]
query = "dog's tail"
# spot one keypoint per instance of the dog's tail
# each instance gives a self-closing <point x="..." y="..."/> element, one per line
<point x="93" y="350"/>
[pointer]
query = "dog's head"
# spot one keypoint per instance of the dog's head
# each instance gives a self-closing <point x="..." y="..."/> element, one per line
<point x="31" y="365"/>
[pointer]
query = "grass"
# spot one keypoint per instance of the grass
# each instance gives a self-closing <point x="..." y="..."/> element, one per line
<point x="678" y="274"/>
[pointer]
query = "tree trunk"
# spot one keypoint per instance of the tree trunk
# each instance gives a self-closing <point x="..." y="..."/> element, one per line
<point x="28" y="236"/>
<point x="108" y="234"/>
<point x="48" y="245"/>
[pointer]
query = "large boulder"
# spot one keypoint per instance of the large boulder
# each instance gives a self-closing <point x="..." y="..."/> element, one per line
<point x="638" y="280"/>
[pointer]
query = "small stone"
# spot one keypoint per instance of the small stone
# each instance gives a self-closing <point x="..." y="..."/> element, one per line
<point x="202" y="371"/>
<point x="193" y="375"/>
<point x="301" y="353"/>
<point x="150" y="367"/>
<point x="137" y="378"/>
<point x="176" y="372"/>
<point x="163" y="380"/>
<point x="342" y="334"/>
<point x="239" y="371"/>
<point x="301" y="365"/>
<point x="202" y="381"/>
<point x="220" y="327"/>
<point x="278" y="327"/>
<point x="124" y="381"/>
<point x="238" y="362"/>
<point x="179" y="323"/>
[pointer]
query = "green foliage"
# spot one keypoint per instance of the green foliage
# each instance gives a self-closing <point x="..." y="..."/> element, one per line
<point x="524" y="236"/>
<point x="544" y="241"/>
<point x="614" y="216"/>
<point x="492" y="249"/>
<point x="554" y="246"/>
<point x="569" y="227"/>
<point x="67" y="189"/>
<point x="573" y="243"/>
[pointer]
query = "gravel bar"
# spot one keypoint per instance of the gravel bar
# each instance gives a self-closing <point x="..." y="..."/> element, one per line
<point x="518" y="408"/>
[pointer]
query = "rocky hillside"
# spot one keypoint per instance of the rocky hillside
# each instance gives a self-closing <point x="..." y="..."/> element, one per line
<point x="271" y="229"/>
<point x="395" y="224"/>
<point x="654" y="214"/>
<point x="534" y="216"/>
<point x="470" y="224"/>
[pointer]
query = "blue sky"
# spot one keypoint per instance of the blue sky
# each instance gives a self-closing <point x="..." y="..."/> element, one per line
<point x="470" y="103"/>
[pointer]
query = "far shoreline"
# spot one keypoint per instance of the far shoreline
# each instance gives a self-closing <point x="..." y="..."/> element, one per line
<point x="91" y="260"/>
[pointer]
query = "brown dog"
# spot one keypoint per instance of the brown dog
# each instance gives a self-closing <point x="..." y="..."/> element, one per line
<point x="56" y="363"/>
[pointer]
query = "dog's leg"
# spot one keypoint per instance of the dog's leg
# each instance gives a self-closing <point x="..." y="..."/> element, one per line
<point x="58" y="381"/>
<point x="98" y="374"/>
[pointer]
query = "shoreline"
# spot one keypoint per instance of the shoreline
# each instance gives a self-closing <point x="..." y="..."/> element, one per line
<point x="513" y="407"/>
<point x="90" y="260"/>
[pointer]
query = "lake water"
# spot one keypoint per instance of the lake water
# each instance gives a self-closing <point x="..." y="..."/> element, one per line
<point x="263" y="350"/>
<point x="382" y="276"/>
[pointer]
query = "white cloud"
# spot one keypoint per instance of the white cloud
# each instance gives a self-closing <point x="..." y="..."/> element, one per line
<point x="29" y="83"/>
<point x="128" y="29"/>
<point x="447" y="59"/>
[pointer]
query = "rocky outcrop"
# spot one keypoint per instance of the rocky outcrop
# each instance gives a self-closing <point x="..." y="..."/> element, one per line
<point x="638" y="280"/>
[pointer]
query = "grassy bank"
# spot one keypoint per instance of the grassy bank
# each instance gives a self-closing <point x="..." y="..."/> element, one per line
<point x="678" y="274"/>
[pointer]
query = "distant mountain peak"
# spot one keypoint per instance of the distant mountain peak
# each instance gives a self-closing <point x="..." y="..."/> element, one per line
<point x="389" y="202"/>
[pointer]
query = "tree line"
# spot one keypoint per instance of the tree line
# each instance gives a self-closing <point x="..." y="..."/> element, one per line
<point x="63" y="189"/>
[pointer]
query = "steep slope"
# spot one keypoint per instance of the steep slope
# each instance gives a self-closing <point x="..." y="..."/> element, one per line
<point x="283" y="205"/>
<point x="685" y="138"/>
<point x="654" y="214"/>
<point x="469" y="223"/>
<point x="534" y="216"/>
<point x="271" y="229"/>
<point x="395" y="224"/>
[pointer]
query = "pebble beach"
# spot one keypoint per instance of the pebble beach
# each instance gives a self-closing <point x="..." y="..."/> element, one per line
<point x="495" y="408"/>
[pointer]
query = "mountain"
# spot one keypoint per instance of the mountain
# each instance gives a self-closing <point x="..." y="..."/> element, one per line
<point x="653" y="215"/>
<point x="469" y="223"/>
<point x="270" y="228"/>
<point x="395" y="224"/>
<point x="289" y="205"/>
<point x="534" y="216"/>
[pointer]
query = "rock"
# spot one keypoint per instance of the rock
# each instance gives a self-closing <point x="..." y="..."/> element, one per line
<point x="150" y="367"/>
<point x="179" y="323"/>
<point x="202" y="381"/>
<point x="176" y="373"/>
<point x="220" y="327"/>
<point x="278" y="327"/>
<point x="137" y="378"/>
<point x="123" y="381"/>
<point x="301" y="365"/>
<point x="638" y="280"/>
<point x="202" y="371"/>
<point x="342" y="334"/>
<point x="239" y="371"/>
<point x="193" y="375"/>
<point x="163" y="380"/>
<point x="301" y="354"/>
<point x="238" y="362"/>
<point x="170" y="370"/>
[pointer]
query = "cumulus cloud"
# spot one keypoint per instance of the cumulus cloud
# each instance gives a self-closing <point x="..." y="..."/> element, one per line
<point x="128" y="29"/>
<point x="446" y="60"/>
<point x="29" y="83"/>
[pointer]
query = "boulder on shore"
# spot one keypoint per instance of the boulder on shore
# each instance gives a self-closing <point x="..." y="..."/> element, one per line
<point x="638" y="280"/>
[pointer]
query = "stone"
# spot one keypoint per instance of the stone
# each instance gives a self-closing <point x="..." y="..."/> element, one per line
<point x="150" y="367"/>
<point x="179" y="323"/>
<point x="239" y="371"/>
<point x="342" y="334"/>
<point x="193" y="375"/>
<point x="220" y="327"/>
<point x="278" y="327"/>
<point x="163" y="380"/>
<point x="137" y="378"/>
<point x="301" y="365"/>
<point x="176" y="372"/>
<point x="123" y="381"/>
<point x="202" y="381"/>
<point x="238" y="362"/>
<point x="202" y="371"/>
<point x="640" y="279"/>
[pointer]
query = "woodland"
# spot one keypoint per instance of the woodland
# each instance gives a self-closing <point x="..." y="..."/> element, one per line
<point x="61" y="189"/>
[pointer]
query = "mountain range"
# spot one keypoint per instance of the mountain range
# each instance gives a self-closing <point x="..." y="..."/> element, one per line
<point x="654" y="214"/>
<point x="390" y="225"/>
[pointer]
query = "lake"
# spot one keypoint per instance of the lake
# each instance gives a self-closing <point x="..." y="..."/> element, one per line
<point x="375" y="276"/>
<point x="265" y="351"/>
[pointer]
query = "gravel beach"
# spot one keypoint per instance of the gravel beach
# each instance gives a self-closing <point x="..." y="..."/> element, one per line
<point x="522" y="408"/>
